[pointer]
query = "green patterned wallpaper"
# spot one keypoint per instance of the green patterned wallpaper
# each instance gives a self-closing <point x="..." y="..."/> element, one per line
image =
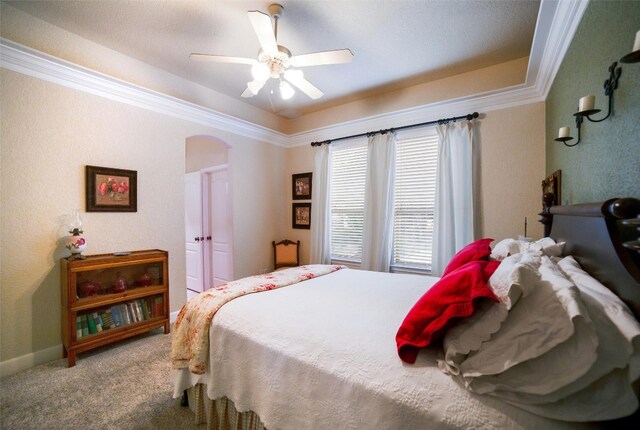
<point x="606" y="163"/>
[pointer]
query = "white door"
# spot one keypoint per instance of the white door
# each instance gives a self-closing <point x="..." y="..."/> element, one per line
<point x="193" y="231"/>
<point x="219" y="228"/>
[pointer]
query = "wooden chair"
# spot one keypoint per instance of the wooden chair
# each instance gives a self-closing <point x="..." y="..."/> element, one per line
<point x="286" y="253"/>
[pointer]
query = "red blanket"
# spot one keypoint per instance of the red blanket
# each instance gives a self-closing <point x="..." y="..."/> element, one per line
<point x="453" y="296"/>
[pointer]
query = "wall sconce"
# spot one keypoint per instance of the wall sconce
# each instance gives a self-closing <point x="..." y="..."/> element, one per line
<point x="633" y="56"/>
<point x="586" y="106"/>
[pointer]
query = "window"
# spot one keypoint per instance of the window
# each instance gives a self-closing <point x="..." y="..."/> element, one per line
<point x="348" y="168"/>
<point x="416" y="161"/>
<point x="415" y="187"/>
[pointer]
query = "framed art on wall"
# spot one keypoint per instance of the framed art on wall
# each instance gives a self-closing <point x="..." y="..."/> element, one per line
<point x="301" y="215"/>
<point x="301" y="186"/>
<point x="552" y="185"/>
<point x="110" y="190"/>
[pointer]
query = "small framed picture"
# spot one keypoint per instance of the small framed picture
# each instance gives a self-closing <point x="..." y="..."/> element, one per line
<point x="301" y="215"/>
<point x="110" y="190"/>
<point x="552" y="185"/>
<point x="301" y="186"/>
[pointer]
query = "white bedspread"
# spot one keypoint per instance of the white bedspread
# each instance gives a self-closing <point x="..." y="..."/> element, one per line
<point x="321" y="354"/>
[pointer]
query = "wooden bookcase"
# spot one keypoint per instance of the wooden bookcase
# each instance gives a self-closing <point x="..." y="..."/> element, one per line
<point x="128" y="294"/>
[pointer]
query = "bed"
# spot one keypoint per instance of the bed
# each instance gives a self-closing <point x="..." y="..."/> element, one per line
<point x="323" y="353"/>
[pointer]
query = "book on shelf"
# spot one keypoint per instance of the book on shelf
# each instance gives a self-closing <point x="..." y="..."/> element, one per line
<point x="132" y="312"/>
<point x="124" y="314"/>
<point x="158" y="306"/>
<point x="145" y="309"/>
<point x="98" y="321"/>
<point x="78" y="327"/>
<point x="85" y="325"/>
<point x="139" y="309"/>
<point x="107" y="320"/>
<point x="92" y="324"/>
<point x="115" y="314"/>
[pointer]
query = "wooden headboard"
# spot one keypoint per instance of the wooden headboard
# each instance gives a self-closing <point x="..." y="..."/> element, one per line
<point x="594" y="234"/>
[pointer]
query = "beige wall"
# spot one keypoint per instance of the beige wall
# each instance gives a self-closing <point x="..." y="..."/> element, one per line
<point x="299" y="160"/>
<point x="203" y="152"/>
<point x="49" y="133"/>
<point x="513" y="156"/>
<point x="512" y="167"/>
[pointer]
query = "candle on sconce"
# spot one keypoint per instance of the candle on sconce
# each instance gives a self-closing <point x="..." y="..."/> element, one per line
<point x="636" y="45"/>
<point x="563" y="132"/>
<point x="587" y="103"/>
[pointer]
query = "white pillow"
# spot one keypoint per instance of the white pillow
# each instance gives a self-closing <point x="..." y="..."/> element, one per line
<point x="605" y="391"/>
<point x="546" y="342"/>
<point x="507" y="247"/>
<point x="508" y="282"/>
<point x="621" y="324"/>
<point x="607" y="398"/>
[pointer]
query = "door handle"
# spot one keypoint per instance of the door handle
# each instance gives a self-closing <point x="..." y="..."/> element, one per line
<point x="202" y="238"/>
<point x="197" y="239"/>
<point x="208" y="237"/>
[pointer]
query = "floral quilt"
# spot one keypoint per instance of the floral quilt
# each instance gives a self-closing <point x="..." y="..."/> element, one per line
<point x="190" y="341"/>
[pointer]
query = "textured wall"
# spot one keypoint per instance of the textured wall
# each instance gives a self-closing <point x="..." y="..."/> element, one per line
<point x="203" y="152"/>
<point x="606" y="163"/>
<point x="48" y="134"/>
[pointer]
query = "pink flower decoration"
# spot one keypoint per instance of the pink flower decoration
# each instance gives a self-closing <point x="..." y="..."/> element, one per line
<point x="114" y="187"/>
<point x="103" y="188"/>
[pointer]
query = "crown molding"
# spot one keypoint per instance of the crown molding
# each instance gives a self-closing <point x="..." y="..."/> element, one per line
<point x="564" y="23"/>
<point x="557" y="23"/>
<point x="22" y="59"/>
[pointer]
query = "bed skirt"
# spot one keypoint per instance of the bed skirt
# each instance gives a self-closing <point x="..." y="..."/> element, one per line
<point x="220" y="414"/>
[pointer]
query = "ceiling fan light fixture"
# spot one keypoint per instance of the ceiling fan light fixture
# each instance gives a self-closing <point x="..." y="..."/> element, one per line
<point x="293" y="75"/>
<point x="286" y="90"/>
<point x="274" y="60"/>
<point x="260" y="72"/>
<point x="255" y="86"/>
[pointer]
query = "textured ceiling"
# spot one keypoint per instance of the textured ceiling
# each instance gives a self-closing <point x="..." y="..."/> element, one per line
<point x="395" y="44"/>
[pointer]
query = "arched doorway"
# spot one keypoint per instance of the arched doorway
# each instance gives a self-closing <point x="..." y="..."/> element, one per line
<point x="208" y="214"/>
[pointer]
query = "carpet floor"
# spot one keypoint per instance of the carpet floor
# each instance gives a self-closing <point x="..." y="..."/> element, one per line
<point x="126" y="385"/>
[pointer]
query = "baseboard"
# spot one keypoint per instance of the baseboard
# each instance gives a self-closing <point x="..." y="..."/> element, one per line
<point x="27" y="361"/>
<point x="173" y="316"/>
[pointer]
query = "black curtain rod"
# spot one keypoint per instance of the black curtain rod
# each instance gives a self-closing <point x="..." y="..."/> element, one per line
<point x="468" y="117"/>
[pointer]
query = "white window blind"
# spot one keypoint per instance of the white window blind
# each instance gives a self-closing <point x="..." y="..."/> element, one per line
<point x="348" y="168"/>
<point x="415" y="185"/>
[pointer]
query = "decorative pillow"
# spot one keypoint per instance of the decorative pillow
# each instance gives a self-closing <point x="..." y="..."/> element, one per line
<point x="453" y="296"/>
<point x="615" y="322"/>
<point x="509" y="282"/>
<point x="478" y="250"/>
<point x="507" y="247"/>
<point x="549" y="324"/>
<point x="605" y="391"/>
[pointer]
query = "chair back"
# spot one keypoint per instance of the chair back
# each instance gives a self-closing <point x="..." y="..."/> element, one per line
<point x="286" y="253"/>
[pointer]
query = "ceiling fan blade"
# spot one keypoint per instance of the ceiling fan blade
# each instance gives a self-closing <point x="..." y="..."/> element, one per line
<point x="253" y="88"/>
<point x="337" y="56"/>
<point x="296" y="78"/>
<point x="261" y="23"/>
<point x="223" y="59"/>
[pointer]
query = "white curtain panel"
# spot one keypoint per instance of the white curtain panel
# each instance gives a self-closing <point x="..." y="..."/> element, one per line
<point x="378" y="202"/>
<point x="454" y="203"/>
<point x="321" y="207"/>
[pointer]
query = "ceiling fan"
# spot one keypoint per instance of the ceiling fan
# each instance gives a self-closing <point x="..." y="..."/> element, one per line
<point x="274" y="61"/>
